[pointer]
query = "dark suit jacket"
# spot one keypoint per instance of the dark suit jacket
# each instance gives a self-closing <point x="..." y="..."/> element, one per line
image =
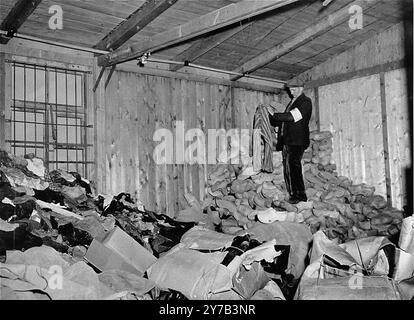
<point x="295" y="133"/>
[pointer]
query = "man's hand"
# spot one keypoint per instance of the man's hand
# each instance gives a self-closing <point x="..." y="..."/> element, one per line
<point x="271" y="109"/>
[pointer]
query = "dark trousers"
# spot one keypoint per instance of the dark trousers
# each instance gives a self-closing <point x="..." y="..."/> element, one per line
<point x="292" y="171"/>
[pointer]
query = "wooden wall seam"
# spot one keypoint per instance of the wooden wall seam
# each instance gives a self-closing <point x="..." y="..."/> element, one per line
<point x="385" y="138"/>
<point x="399" y="143"/>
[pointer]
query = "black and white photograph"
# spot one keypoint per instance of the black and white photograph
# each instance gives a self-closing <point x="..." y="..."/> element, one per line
<point x="200" y="157"/>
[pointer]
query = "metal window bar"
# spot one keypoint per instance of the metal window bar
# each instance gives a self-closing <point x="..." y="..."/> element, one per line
<point x="76" y="120"/>
<point x="66" y="118"/>
<point x="61" y="116"/>
<point x="46" y="117"/>
<point x="85" y="121"/>
<point x="14" y="99"/>
<point x="29" y="65"/>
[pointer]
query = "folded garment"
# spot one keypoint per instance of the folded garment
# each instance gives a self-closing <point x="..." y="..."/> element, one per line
<point x="262" y="123"/>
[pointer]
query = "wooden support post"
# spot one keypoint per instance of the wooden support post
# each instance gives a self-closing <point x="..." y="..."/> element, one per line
<point x="385" y="139"/>
<point x="101" y="73"/>
<point x="111" y="72"/>
<point x="144" y="15"/>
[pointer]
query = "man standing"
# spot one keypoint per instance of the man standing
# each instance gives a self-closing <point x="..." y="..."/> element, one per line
<point x="293" y="139"/>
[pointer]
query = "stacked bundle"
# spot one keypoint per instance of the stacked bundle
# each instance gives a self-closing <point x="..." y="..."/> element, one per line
<point x="237" y="194"/>
<point x="239" y="198"/>
<point x="320" y="151"/>
<point x="344" y="210"/>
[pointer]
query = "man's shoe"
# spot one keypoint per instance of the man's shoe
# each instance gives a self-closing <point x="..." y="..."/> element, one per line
<point x="294" y="201"/>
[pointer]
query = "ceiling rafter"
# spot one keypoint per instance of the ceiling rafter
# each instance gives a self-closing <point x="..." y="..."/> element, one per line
<point x="301" y="38"/>
<point x="205" y="45"/>
<point x="143" y="16"/>
<point x="16" y="17"/>
<point x="207" y="23"/>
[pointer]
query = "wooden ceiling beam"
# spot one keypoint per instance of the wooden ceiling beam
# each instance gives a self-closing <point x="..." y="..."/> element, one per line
<point x="16" y="17"/>
<point x="207" y="23"/>
<point x="204" y="45"/>
<point x="301" y="38"/>
<point x="144" y="15"/>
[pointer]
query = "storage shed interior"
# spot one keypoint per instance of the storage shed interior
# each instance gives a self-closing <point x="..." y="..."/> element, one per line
<point x="86" y="85"/>
<point x="331" y="56"/>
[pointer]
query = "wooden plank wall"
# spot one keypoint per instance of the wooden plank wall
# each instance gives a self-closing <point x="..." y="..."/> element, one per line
<point x="382" y="48"/>
<point x="368" y="114"/>
<point x="313" y="125"/>
<point x="398" y="133"/>
<point x="356" y="123"/>
<point x="134" y="105"/>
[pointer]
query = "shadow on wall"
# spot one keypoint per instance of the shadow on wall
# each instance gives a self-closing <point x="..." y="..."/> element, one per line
<point x="408" y="26"/>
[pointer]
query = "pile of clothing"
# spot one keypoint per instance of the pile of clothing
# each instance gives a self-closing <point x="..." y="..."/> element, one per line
<point x="238" y="198"/>
<point x="320" y="151"/>
<point x="49" y="221"/>
<point x="59" y="240"/>
<point x="237" y="194"/>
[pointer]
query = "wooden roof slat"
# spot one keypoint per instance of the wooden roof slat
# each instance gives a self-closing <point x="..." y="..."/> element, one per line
<point x="207" y="23"/>
<point x="144" y="15"/>
<point x="204" y="45"/>
<point x="300" y="38"/>
<point x="71" y="20"/>
<point x="260" y="35"/>
<point x="338" y="39"/>
<point x="87" y="21"/>
<point x="17" y="16"/>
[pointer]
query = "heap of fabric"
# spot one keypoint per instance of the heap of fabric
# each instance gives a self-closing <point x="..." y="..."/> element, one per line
<point x="320" y="151"/>
<point x="57" y="216"/>
<point x="262" y="123"/>
<point x="240" y="197"/>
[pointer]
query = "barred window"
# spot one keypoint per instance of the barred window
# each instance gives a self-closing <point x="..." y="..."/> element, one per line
<point x="48" y="116"/>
